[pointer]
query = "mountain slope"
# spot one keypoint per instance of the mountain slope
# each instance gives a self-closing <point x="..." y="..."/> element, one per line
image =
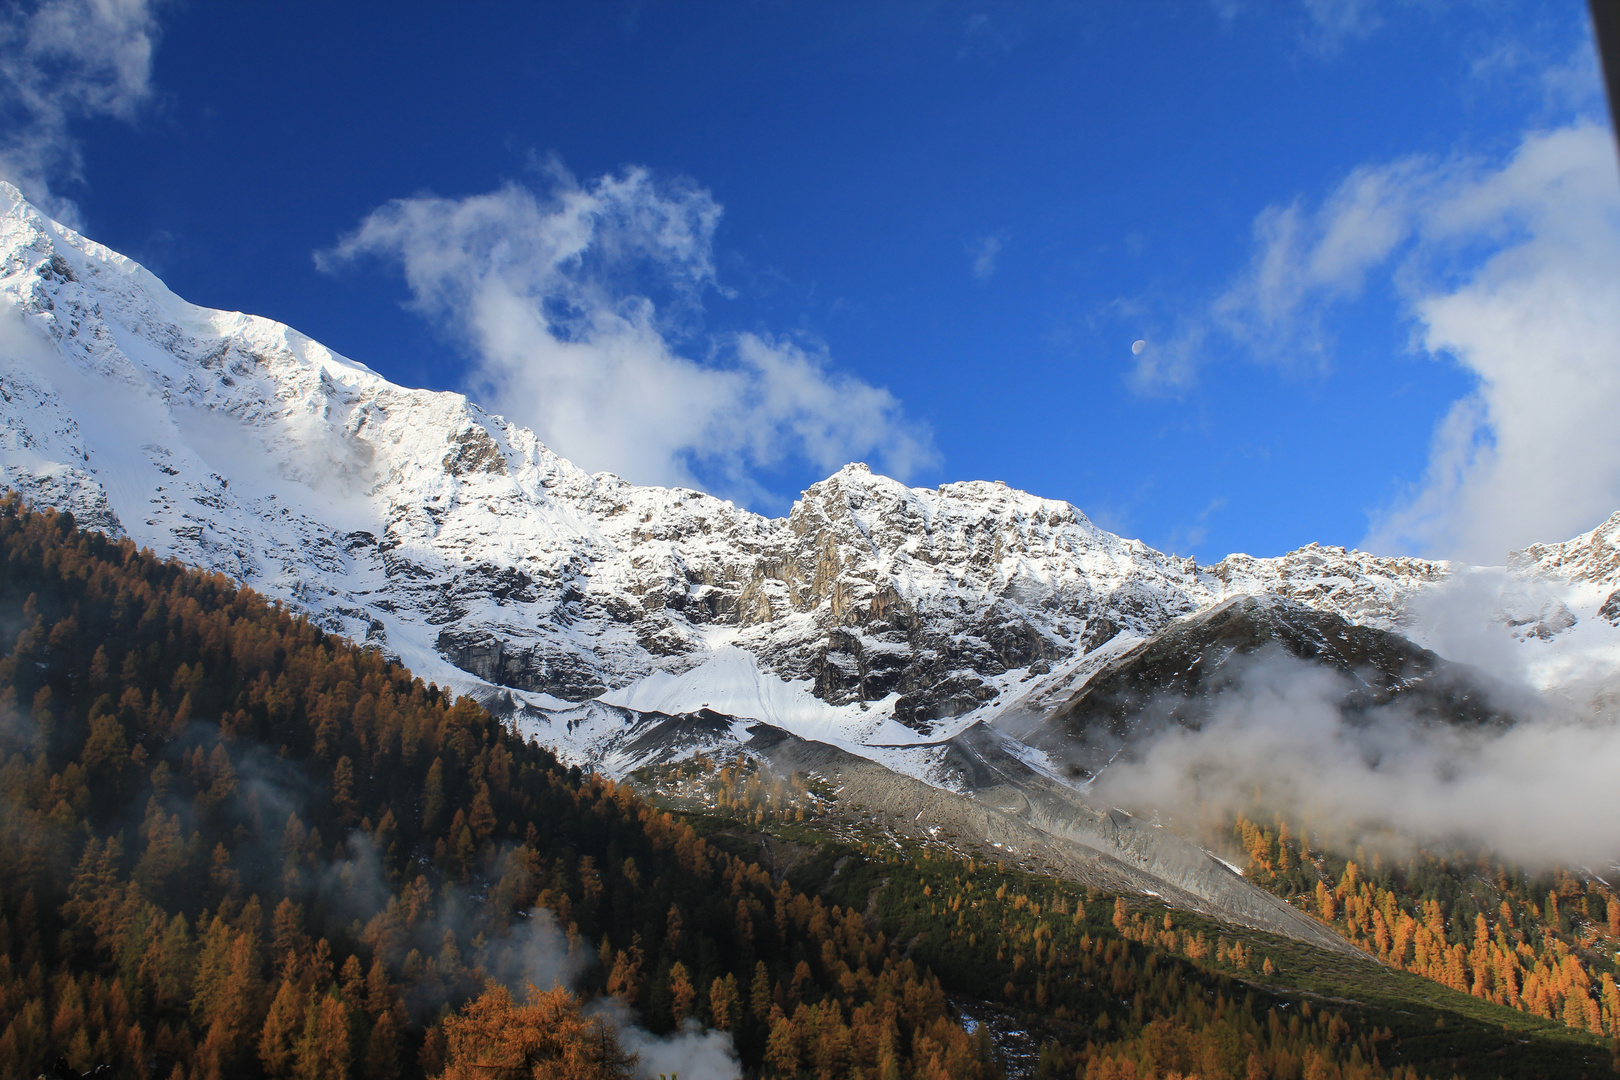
<point x="1178" y="677"/>
<point x="454" y="539"/>
<point x="622" y="626"/>
<point x="874" y="616"/>
<point x="237" y="846"/>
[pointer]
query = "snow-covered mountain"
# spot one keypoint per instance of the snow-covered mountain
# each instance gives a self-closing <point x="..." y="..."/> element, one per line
<point x="874" y="614"/>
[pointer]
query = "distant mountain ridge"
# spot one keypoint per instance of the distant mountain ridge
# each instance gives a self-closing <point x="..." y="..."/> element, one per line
<point x="455" y="540"/>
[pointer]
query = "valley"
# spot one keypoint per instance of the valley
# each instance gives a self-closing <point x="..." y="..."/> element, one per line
<point x="896" y="725"/>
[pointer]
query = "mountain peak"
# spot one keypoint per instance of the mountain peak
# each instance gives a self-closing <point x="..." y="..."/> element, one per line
<point x="457" y="542"/>
<point x="1592" y="557"/>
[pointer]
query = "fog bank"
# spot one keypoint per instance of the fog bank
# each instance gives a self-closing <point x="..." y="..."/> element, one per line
<point x="1545" y="789"/>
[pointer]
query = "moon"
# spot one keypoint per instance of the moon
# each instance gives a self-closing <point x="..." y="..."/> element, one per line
<point x="1137" y="347"/>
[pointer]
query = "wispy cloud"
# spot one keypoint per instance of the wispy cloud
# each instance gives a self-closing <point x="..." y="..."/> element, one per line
<point x="552" y="290"/>
<point x="1334" y="22"/>
<point x="1305" y="260"/>
<point x="63" y="60"/>
<point x="1324" y="26"/>
<point x="1184" y="538"/>
<point x="987" y="38"/>
<point x="1168" y="363"/>
<point x="985" y="253"/>
<point x="1509" y="268"/>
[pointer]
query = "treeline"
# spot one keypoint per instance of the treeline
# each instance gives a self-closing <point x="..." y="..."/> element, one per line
<point x="1544" y="944"/>
<point x="235" y="845"/>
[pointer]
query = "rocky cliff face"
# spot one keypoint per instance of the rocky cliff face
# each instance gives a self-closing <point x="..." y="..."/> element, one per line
<point x="883" y="626"/>
<point x="1590" y="561"/>
<point x="455" y="540"/>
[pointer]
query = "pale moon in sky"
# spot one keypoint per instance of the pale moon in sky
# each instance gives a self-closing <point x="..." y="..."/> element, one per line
<point x="1137" y="347"/>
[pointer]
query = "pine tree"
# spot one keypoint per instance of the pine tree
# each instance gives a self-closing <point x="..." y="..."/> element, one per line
<point x="323" y="1051"/>
<point x="759" y="997"/>
<point x="383" y="1048"/>
<point x="343" y="801"/>
<point x="278" y="1039"/>
<point x="433" y="798"/>
<point x="723" y="1002"/>
<point x="681" y="992"/>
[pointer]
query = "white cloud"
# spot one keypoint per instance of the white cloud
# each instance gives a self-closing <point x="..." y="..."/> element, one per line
<point x="1533" y="453"/>
<point x="1186" y="537"/>
<point x="1281" y="737"/>
<point x="536" y="953"/>
<point x="985" y="252"/>
<point x="1304" y="260"/>
<point x="61" y="60"/>
<point x="1337" y="21"/>
<point x="1510" y="269"/>
<point x="691" y="1051"/>
<point x="550" y="293"/>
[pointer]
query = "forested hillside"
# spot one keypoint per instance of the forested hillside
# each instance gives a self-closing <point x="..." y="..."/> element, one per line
<point x="1544" y="943"/>
<point x="1103" y="987"/>
<point x="236" y="846"/>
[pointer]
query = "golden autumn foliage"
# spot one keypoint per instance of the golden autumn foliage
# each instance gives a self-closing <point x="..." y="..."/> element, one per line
<point x="1130" y="988"/>
<point x="236" y="845"/>
<point x="1545" y="947"/>
<point x="547" y="1037"/>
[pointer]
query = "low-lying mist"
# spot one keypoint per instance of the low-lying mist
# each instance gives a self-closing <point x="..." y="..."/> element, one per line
<point x="347" y="885"/>
<point x="536" y="952"/>
<point x="531" y="950"/>
<point x="1544" y="789"/>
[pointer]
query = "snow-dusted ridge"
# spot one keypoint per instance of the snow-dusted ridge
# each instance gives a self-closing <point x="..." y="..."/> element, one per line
<point x="873" y="615"/>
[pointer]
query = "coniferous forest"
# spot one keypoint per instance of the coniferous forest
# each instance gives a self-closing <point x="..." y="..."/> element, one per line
<point x="235" y="845"/>
<point x="1545" y="943"/>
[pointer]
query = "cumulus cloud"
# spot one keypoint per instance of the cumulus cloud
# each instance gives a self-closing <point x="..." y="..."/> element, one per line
<point x="553" y="293"/>
<point x="1539" y="792"/>
<point x="63" y="60"/>
<point x="1533" y="453"/>
<point x="1510" y="269"/>
<point x="1486" y="617"/>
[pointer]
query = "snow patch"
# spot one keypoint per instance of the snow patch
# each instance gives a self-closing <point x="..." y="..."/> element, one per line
<point x="730" y="682"/>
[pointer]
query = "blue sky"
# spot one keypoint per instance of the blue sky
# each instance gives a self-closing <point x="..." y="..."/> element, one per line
<point x="733" y="245"/>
